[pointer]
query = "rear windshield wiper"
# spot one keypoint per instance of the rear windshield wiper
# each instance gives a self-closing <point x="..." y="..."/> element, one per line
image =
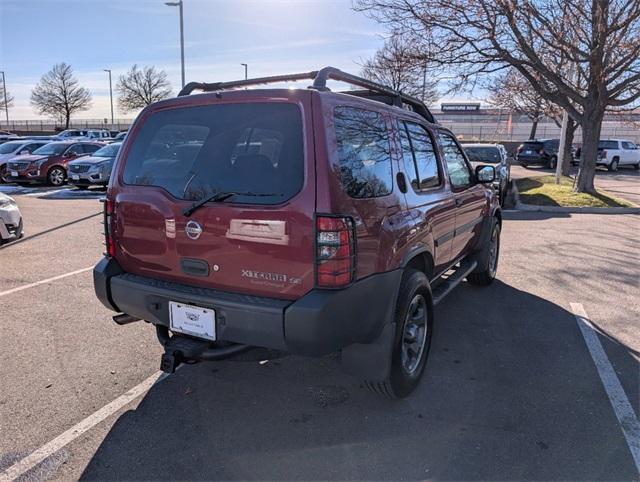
<point x="220" y="196"/>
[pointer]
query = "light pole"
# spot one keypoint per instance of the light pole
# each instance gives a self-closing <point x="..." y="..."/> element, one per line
<point x="179" y="4"/>
<point x="6" y="105"/>
<point x="246" y="71"/>
<point x="110" y="95"/>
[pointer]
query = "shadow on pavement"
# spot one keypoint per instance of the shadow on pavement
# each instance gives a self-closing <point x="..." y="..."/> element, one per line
<point x="510" y="392"/>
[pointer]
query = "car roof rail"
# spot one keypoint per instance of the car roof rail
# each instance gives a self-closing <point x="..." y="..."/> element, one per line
<point x="373" y="90"/>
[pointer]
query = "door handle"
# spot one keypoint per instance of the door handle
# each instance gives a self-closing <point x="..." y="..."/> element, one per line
<point x="458" y="202"/>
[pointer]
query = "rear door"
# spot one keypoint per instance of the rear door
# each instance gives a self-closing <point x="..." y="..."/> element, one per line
<point x="427" y="197"/>
<point x="257" y="242"/>
<point x="469" y="196"/>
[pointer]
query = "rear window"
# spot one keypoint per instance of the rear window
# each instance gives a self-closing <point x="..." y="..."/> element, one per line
<point x="195" y="152"/>
<point x="487" y="154"/>
<point x="532" y="146"/>
<point x="608" y="145"/>
<point x="363" y="152"/>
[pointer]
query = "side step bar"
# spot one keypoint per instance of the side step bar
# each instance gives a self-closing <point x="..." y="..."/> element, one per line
<point x="444" y="287"/>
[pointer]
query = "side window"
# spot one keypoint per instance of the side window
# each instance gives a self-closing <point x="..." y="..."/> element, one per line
<point x="459" y="173"/>
<point x="418" y="151"/>
<point x="628" y="145"/>
<point x="90" y="148"/>
<point x="75" y="149"/>
<point x="364" y="157"/>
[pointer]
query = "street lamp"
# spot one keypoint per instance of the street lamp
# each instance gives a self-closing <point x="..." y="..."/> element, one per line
<point x="179" y="4"/>
<point x="246" y="70"/>
<point x="6" y="105"/>
<point x="110" y="95"/>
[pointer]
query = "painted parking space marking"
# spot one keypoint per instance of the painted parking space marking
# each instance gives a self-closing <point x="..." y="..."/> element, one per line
<point x="44" y="281"/>
<point x="39" y="455"/>
<point x="624" y="411"/>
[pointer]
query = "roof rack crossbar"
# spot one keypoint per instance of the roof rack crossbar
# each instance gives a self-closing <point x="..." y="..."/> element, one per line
<point x="320" y="78"/>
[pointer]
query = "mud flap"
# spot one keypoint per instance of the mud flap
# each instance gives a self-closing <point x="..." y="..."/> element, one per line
<point x="370" y="361"/>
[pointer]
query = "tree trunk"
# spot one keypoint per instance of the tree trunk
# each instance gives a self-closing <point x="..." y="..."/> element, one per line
<point x="67" y="118"/>
<point x="568" y="156"/>
<point x="591" y="127"/>
<point x="534" y="128"/>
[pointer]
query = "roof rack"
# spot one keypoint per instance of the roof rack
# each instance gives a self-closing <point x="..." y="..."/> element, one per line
<point x="373" y="90"/>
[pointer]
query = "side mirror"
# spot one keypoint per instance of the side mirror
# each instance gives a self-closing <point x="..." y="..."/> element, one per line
<point x="485" y="174"/>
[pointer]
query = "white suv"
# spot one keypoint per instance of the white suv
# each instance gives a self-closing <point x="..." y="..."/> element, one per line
<point x="613" y="153"/>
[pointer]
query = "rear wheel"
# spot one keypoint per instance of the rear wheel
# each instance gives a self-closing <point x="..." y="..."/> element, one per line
<point x="56" y="176"/>
<point x="487" y="273"/>
<point x="414" y="330"/>
<point x="553" y="162"/>
<point x="613" y="167"/>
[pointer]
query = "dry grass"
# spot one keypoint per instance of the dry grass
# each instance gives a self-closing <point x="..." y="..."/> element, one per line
<point x="543" y="191"/>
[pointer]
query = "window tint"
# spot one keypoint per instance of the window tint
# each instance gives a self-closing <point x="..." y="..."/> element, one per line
<point x="90" y="148"/>
<point x="75" y="149"/>
<point x="628" y="145"/>
<point x="195" y="152"/>
<point x="363" y="152"/>
<point x="487" y="154"/>
<point x="419" y="155"/>
<point x="608" y="145"/>
<point x="459" y="173"/>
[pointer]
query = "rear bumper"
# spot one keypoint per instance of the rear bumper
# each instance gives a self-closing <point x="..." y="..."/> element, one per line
<point x="532" y="160"/>
<point x="321" y="322"/>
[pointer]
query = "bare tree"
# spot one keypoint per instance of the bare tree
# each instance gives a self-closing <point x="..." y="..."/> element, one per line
<point x="398" y="66"/>
<point x="583" y="55"/>
<point x="59" y="95"/>
<point x="141" y="87"/>
<point x="9" y="103"/>
<point x="511" y="91"/>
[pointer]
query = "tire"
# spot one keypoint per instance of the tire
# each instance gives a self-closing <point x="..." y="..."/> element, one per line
<point x="491" y="255"/>
<point x="613" y="167"/>
<point x="414" y="331"/>
<point x="526" y="166"/>
<point x="553" y="162"/>
<point x="56" y="176"/>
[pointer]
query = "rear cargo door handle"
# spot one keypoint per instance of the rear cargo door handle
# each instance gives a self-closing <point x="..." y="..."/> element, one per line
<point x="194" y="267"/>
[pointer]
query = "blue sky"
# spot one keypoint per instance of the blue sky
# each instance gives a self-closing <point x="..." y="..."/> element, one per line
<point x="272" y="36"/>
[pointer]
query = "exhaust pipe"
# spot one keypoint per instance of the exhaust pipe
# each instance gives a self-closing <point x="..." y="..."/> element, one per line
<point x="124" y="319"/>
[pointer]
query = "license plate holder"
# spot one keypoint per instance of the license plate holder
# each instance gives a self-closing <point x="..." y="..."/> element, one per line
<point x="192" y="320"/>
<point x="14" y="173"/>
<point x="75" y="177"/>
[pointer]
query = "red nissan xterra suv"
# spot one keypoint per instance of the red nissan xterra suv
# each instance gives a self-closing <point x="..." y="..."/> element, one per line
<point x="299" y="220"/>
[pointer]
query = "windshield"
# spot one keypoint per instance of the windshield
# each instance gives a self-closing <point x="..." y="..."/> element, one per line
<point x="9" y="147"/>
<point x="195" y="152"/>
<point x="108" y="151"/>
<point x="608" y="145"/>
<point x="483" y="154"/>
<point x="51" y="149"/>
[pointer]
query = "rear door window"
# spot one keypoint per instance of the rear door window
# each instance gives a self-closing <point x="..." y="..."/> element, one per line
<point x="459" y="172"/>
<point x="608" y="145"/>
<point x="421" y="163"/>
<point x="364" y="160"/>
<point x="195" y="152"/>
<point x="90" y="148"/>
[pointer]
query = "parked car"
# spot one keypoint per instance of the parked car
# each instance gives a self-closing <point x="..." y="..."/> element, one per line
<point x="496" y="155"/>
<point x="6" y="136"/>
<point x="11" y="149"/>
<point x="48" y="164"/>
<point x="121" y="136"/>
<point x="227" y="227"/>
<point x="613" y="153"/>
<point x="77" y="134"/>
<point x="539" y="152"/>
<point x="94" y="170"/>
<point x="10" y="219"/>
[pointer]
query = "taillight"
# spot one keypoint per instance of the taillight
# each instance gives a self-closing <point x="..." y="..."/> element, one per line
<point x="603" y="154"/>
<point x="336" y="251"/>
<point x="108" y="230"/>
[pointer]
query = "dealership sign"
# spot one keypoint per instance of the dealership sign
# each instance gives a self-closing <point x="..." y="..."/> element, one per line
<point x="460" y="107"/>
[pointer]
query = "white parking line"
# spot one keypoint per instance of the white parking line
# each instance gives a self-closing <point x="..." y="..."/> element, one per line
<point x="618" y="398"/>
<point x="37" y="456"/>
<point x="48" y="280"/>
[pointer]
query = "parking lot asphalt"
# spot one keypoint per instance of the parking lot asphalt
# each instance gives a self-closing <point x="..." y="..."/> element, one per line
<point x="510" y="392"/>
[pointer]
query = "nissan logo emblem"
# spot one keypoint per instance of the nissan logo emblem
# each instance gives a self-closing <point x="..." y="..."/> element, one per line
<point x="193" y="230"/>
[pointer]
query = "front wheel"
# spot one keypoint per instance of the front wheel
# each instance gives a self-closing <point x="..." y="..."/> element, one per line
<point x="414" y="330"/>
<point x="485" y="274"/>
<point x="56" y="176"/>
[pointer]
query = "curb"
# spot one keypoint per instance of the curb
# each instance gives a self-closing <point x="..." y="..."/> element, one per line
<point x="520" y="206"/>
